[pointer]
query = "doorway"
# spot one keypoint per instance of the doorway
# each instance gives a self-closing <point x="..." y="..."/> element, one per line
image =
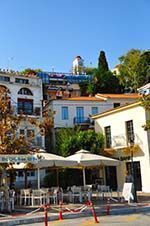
<point x="111" y="177"/>
<point x="137" y="171"/>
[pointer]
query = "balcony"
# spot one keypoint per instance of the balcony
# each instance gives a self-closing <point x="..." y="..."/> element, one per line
<point x="81" y="121"/>
<point x="36" y="111"/>
<point x="121" y="142"/>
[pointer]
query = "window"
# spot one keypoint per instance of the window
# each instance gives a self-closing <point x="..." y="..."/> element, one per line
<point x="80" y="114"/>
<point x="39" y="141"/>
<point x="108" y="136"/>
<point x="94" y="110"/>
<point x="130" y="132"/>
<point x="116" y="105"/>
<point x="65" y="115"/>
<point x="25" y="106"/>
<point x="29" y="134"/>
<point x="25" y="91"/>
<point x="22" y="81"/>
<point x="4" y="79"/>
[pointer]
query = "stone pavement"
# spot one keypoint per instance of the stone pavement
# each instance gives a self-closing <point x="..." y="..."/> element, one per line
<point x="26" y="215"/>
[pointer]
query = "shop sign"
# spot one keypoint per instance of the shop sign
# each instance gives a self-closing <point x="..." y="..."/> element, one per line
<point x="18" y="158"/>
<point x="124" y="158"/>
<point x="127" y="191"/>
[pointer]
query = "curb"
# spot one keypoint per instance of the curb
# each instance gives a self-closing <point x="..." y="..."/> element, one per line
<point x="100" y="212"/>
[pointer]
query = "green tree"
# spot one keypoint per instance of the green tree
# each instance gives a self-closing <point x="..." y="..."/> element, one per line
<point x="102" y="62"/>
<point x="70" y="140"/>
<point x="128" y="69"/>
<point x="89" y="70"/>
<point x="144" y="68"/>
<point x="145" y="102"/>
<point x="29" y="71"/>
<point x="106" y="82"/>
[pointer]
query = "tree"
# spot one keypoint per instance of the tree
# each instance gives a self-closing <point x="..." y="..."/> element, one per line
<point x="102" y="62"/>
<point x="70" y="140"/>
<point x="106" y="82"/>
<point x="128" y="69"/>
<point x="29" y="71"/>
<point x="10" y="141"/>
<point x="145" y="102"/>
<point x="103" y="80"/>
<point x="144" y="68"/>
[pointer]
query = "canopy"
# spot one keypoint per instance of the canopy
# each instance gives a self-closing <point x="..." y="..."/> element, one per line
<point x="87" y="159"/>
<point x="45" y="160"/>
<point x="51" y="160"/>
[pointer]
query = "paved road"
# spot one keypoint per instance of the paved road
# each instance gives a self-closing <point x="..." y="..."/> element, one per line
<point x="125" y="220"/>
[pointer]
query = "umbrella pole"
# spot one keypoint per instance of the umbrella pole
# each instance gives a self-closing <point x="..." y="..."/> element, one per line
<point x="57" y="177"/>
<point x="38" y="175"/>
<point x="84" y="179"/>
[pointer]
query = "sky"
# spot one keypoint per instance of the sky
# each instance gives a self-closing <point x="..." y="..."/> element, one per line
<point x="49" y="34"/>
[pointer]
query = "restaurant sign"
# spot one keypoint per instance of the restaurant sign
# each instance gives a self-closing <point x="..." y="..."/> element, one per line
<point x="18" y="159"/>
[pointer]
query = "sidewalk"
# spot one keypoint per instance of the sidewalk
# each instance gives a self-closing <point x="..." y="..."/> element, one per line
<point x="26" y="215"/>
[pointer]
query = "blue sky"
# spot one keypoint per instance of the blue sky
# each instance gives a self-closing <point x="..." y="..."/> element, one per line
<point x="50" y="33"/>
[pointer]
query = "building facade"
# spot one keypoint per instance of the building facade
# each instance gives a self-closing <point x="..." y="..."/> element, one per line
<point x="126" y="140"/>
<point x="77" y="111"/>
<point x="25" y="99"/>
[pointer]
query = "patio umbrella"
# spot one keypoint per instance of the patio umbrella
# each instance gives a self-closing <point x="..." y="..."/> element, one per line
<point x="46" y="160"/>
<point x="87" y="159"/>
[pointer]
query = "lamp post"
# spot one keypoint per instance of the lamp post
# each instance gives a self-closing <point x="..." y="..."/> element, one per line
<point x="133" y="173"/>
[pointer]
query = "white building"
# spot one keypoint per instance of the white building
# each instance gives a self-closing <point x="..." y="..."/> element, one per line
<point x="77" y="110"/>
<point x="78" y="65"/>
<point x="124" y="136"/>
<point x="26" y="98"/>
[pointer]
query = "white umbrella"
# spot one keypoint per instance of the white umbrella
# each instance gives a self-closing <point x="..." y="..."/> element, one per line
<point x="87" y="159"/>
<point x="45" y="160"/>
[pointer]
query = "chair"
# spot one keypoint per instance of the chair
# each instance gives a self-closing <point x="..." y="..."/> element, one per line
<point x="25" y="194"/>
<point x="37" y="197"/>
<point x="76" y="193"/>
<point x="53" y="195"/>
<point x="103" y="190"/>
<point x="87" y="192"/>
<point x="67" y="195"/>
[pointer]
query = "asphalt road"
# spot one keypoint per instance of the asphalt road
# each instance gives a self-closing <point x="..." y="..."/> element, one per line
<point x="125" y="220"/>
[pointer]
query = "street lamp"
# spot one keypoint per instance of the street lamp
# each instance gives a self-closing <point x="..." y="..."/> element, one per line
<point x="133" y="171"/>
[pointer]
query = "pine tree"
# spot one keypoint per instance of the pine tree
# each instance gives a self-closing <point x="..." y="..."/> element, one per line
<point x="102" y="62"/>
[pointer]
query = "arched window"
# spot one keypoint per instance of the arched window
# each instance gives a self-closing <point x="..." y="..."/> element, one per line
<point x="25" y="91"/>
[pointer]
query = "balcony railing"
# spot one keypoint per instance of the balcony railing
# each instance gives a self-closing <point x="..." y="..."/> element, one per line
<point x="121" y="141"/>
<point x="34" y="112"/>
<point x="81" y="121"/>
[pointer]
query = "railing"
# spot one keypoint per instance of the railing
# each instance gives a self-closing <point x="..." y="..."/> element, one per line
<point x="121" y="141"/>
<point x="34" y="112"/>
<point x="81" y="120"/>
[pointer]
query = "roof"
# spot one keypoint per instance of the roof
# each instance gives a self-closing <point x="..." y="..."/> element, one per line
<point x="83" y="98"/>
<point x="147" y="86"/>
<point x="118" y="96"/>
<point x="115" y="110"/>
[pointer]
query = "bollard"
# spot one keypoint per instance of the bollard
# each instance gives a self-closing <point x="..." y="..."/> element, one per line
<point x="108" y="207"/>
<point x="60" y="211"/>
<point x="45" y="216"/>
<point x="93" y="212"/>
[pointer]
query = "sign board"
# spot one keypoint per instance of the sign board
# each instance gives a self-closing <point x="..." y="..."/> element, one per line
<point x="18" y="159"/>
<point x="127" y="191"/>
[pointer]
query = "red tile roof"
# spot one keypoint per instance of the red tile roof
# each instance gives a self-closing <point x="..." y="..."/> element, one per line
<point x="117" y="96"/>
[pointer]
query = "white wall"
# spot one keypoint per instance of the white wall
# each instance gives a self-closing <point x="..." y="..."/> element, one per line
<point x="56" y="106"/>
<point x="117" y="123"/>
